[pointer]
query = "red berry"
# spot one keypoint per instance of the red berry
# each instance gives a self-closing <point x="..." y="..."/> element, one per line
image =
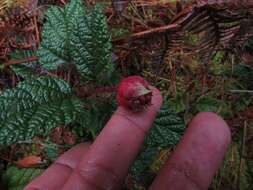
<point x="134" y="93"/>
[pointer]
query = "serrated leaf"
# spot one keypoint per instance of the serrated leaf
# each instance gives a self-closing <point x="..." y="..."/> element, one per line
<point x="54" y="48"/>
<point x="143" y="162"/>
<point x="75" y="35"/>
<point x="207" y="104"/>
<point x="177" y="103"/>
<point x="36" y="106"/>
<point x="243" y="71"/>
<point x="243" y="101"/>
<point x="167" y="130"/>
<point x="226" y="110"/>
<point x="97" y="116"/>
<point x="17" y="179"/>
<point x="25" y="70"/>
<point x="91" y="44"/>
<point x="52" y="150"/>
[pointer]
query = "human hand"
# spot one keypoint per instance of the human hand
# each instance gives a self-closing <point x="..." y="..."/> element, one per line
<point x="104" y="164"/>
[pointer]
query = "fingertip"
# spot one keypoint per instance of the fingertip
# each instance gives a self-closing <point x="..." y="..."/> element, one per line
<point x="198" y="155"/>
<point x="157" y="98"/>
<point x="214" y="124"/>
<point x="144" y="118"/>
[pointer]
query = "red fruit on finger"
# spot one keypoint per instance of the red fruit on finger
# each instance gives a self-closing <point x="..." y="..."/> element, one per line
<point x="134" y="93"/>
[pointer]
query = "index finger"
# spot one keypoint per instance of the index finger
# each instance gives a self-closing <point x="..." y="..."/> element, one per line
<point x="106" y="163"/>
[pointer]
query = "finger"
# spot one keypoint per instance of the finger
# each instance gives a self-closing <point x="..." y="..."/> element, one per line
<point x="106" y="164"/>
<point x="197" y="157"/>
<point x="57" y="174"/>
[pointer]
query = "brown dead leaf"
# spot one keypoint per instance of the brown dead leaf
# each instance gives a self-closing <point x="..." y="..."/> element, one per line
<point x="29" y="161"/>
<point x="69" y="137"/>
<point x="63" y="135"/>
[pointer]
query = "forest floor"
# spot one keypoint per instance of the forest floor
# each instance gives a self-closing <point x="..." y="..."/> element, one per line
<point x="145" y="42"/>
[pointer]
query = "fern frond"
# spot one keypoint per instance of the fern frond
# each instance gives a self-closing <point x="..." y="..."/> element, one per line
<point x="92" y="46"/>
<point x="17" y="31"/>
<point x="55" y="46"/>
<point x="25" y="70"/>
<point x="36" y="106"/>
<point x="17" y="178"/>
<point x="75" y="35"/>
<point x="220" y="25"/>
<point x="168" y="129"/>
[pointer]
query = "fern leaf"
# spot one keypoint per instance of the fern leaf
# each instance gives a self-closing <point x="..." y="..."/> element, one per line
<point x="75" y="35"/>
<point x="54" y="48"/>
<point x="25" y="70"/>
<point x="36" y="106"/>
<point x="143" y="162"/>
<point x="17" y="179"/>
<point x="168" y="129"/>
<point x="207" y="104"/>
<point x="93" y="56"/>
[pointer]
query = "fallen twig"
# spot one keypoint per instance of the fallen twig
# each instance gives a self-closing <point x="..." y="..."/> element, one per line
<point x="26" y="60"/>
<point x="146" y="33"/>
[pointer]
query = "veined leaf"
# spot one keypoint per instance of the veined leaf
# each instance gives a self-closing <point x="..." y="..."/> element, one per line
<point x="91" y="44"/>
<point x="207" y="104"/>
<point x="143" y="162"/>
<point x="36" y="106"/>
<point x="76" y="35"/>
<point x="17" y="179"/>
<point x="168" y="129"/>
<point x="55" y="46"/>
<point x="25" y="70"/>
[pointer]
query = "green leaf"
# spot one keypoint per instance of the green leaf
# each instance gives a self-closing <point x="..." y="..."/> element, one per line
<point x="25" y="70"/>
<point x="242" y="102"/>
<point x="52" y="150"/>
<point x="217" y="67"/>
<point x="143" y="162"/>
<point x="97" y="116"/>
<point x="225" y="109"/>
<point x="207" y="104"/>
<point x="36" y="106"/>
<point x="177" y="103"/>
<point x="55" y="45"/>
<point x="75" y="35"/>
<point x="92" y="46"/>
<point x="167" y="130"/>
<point x="243" y="71"/>
<point x="17" y="179"/>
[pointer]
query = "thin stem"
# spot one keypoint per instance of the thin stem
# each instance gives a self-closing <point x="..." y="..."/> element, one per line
<point x="244" y="135"/>
<point x="16" y="62"/>
<point x="154" y="31"/>
<point x="241" y="91"/>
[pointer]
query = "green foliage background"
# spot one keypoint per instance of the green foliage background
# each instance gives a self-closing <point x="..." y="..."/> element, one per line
<point x="79" y="35"/>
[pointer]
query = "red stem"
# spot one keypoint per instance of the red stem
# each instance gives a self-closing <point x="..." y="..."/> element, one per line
<point x="16" y="62"/>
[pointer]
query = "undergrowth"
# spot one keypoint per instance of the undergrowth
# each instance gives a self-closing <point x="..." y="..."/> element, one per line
<point x="60" y="62"/>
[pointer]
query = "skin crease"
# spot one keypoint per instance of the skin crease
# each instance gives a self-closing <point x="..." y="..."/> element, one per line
<point x="104" y="165"/>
